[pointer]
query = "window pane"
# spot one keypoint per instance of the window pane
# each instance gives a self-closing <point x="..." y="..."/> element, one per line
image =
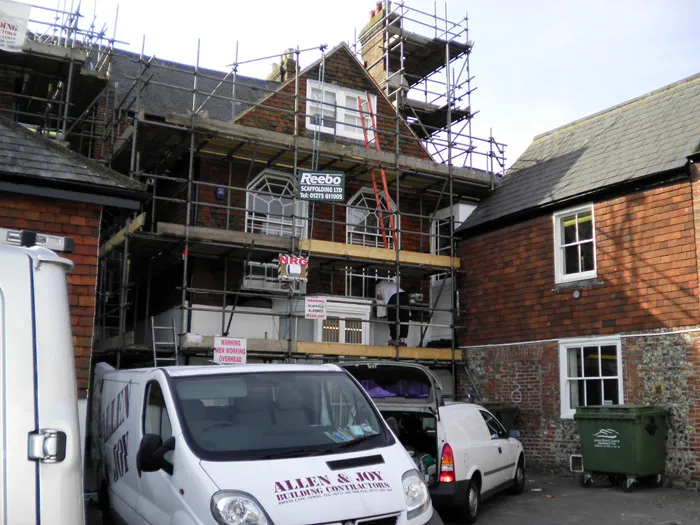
<point x="353" y="331"/>
<point x="569" y="224"/>
<point x="331" y="330"/>
<point x="591" y="362"/>
<point x="611" y="392"/>
<point x="585" y="226"/>
<point x="609" y="360"/>
<point x="587" y="257"/>
<point x="575" y="394"/>
<point x="574" y="359"/>
<point x="593" y="392"/>
<point x="571" y="259"/>
<point x="156" y="420"/>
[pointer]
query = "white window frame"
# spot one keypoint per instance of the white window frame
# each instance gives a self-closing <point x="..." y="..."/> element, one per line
<point x="268" y="282"/>
<point x="368" y="194"/>
<point x="341" y="111"/>
<point x="343" y="311"/>
<point x="560" y="276"/>
<point x="564" y="346"/>
<point x="298" y="224"/>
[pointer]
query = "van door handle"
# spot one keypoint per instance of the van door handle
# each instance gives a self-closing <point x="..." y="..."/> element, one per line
<point x="47" y="446"/>
<point x="499" y="450"/>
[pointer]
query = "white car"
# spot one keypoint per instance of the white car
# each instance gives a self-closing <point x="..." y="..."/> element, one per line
<point x="462" y="450"/>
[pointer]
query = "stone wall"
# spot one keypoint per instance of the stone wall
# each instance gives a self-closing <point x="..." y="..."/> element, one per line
<point x="661" y="370"/>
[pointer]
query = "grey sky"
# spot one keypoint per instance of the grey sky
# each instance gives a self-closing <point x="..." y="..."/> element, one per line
<point x="538" y="64"/>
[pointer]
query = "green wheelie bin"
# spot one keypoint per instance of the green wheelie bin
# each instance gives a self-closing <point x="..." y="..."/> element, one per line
<point x="626" y="442"/>
<point x="506" y="414"/>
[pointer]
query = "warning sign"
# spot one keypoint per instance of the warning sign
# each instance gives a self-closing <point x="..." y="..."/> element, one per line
<point x="230" y="350"/>
<point x="321" y="186"/>
<point x="315" y="308"/>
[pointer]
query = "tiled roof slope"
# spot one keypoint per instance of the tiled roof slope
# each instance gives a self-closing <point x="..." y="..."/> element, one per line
<point x="156" y="99"/>
<point x="647" y="135"/>
<point x="24" y="153"/>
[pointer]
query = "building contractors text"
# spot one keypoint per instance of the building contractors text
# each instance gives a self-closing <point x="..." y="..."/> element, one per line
<point x="321" y="186"/>
<point x="313" y="487"/>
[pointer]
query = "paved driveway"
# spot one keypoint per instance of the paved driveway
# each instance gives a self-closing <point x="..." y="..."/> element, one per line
<point x="563" y="501"/>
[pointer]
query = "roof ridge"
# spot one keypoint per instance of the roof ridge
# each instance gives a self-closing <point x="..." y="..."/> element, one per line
<point x="656" y="91"/>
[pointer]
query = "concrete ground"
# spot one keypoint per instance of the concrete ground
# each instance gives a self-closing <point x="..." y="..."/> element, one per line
<point x="555" y="500"/>
<point x="562" y="500"/>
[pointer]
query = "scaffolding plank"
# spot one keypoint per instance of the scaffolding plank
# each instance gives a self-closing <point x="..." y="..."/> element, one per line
<point x="353" y="251"/>
<point x="347" y="151"/>
<point x="202" y="233"/>
<point x="118" y="237"/>
<point x="336" y="349"/>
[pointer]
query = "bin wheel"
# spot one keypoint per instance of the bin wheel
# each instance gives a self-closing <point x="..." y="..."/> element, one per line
<point x="629" y="484"/>
<point x="657" y="481"/>
<point x="586" y="480"/>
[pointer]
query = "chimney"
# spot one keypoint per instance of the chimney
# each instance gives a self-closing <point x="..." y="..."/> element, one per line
<point x="372" y="40"/>
<point x="286" y="69"/>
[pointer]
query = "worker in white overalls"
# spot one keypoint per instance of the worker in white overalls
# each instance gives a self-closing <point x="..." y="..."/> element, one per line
<point x="389" y="294"/>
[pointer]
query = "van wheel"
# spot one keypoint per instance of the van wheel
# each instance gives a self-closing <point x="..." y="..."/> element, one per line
<point x="519" y="478"/>
<point x="473" y="503"/>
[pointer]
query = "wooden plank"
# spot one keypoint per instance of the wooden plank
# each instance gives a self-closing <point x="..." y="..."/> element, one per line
<point x="375" y="254"/>
<point x="118" y="237"/>
<point x="349" y="151"/>
<point x="202" y="233"/>
<point x="389" y="352"/>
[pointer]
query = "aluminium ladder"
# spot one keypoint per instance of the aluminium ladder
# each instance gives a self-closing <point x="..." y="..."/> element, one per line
<point x="167" y="347"/>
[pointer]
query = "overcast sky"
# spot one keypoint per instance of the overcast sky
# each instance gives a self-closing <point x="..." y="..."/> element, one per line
<point x="538" y="64"/>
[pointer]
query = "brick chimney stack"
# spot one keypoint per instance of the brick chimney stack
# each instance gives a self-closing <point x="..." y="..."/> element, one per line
<point x="286" y="69"/>
<point x="373" y="39"/>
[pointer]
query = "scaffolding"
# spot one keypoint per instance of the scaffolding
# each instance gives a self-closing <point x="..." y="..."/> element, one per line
<point x="221" y="153"/>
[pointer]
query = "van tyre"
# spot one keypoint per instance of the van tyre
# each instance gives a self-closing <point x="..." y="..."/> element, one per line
<point x="519" y="478"/>
<point x="473" y="503"/>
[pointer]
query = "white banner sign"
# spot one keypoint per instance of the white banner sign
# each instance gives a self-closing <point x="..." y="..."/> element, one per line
<point x="315" y="308"/>
<point x="14" y="18"/>
<point x="230" y="350"/>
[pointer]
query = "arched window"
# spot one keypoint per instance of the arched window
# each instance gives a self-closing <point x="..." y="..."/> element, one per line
<point x="363" y="224"/>
<point x="270" y="207"/>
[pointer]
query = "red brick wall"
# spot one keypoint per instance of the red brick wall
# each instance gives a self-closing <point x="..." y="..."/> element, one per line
<point x="341" y="69"/>
<point x="646" y="263"/>
<point x="82" y="223"/>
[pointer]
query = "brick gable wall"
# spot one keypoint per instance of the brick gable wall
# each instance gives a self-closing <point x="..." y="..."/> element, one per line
<point x="82" y="223"/>
<point x="341" y="69"/>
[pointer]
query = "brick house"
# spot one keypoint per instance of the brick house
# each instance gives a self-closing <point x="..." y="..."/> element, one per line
<point x="239" y="191"/>
<point x="580" y="282"/>
<point x="49" y="189"/>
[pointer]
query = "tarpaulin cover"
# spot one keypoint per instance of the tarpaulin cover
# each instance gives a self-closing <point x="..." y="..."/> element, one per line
<point x="403" y="388"/>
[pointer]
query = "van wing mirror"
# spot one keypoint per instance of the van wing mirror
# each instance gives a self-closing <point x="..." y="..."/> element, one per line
<point x="151" y="454"/>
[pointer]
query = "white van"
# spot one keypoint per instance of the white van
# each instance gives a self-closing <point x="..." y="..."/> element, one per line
<point x="41" y="479"/>
<point x="463" y="451"/>
<point x="249" y="444"/>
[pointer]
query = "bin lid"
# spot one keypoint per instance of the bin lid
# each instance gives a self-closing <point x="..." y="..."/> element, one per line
<point x="618" y="411"/>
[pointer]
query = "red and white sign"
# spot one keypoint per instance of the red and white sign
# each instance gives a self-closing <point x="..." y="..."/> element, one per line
<point x="230" y="350"/>
<point x="314" y="308"/>
<point x="14" y="18"/>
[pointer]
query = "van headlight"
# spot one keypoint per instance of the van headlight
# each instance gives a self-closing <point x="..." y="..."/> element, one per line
<point x="416" y="493"/>
<point x="231" y="507"/>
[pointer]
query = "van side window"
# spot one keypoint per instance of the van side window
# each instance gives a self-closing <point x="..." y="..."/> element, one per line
<point x="496" y="430"/>
<point x="156" y="420"/>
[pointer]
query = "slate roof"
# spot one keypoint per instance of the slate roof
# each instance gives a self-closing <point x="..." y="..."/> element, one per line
<point x="156" y="100"/>
<point x="650" y="134"/>
<point x="23" y="153"/>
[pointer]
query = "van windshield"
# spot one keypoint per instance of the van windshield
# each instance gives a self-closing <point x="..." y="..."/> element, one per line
<point x="273" y="415"/>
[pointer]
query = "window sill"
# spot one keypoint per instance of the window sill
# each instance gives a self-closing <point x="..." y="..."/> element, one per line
<point x="577" y="285"/>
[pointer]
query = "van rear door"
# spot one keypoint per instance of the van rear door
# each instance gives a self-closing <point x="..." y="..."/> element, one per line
<point x="398" y="386"/>
<point x="19" y="502"/>
<point x="60" y="471"/>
